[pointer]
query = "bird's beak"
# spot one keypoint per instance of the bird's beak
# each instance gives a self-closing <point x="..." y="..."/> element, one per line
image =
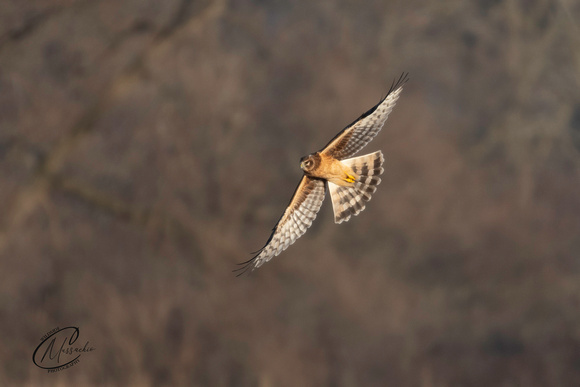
<point x="302" y="165"/>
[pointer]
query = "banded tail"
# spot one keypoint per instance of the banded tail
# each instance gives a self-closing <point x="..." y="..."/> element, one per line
<point x="348" y="201"/>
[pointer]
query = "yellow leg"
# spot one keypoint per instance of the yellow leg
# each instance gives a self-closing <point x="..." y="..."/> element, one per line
<point x="350" y="179"/>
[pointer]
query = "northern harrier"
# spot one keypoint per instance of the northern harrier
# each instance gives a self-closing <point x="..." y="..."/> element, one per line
<point x="351" y="181"/>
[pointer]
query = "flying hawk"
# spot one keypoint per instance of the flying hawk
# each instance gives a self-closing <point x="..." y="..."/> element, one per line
<point x="351" y="181"/>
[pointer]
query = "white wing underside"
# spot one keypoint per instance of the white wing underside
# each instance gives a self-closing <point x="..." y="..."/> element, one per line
<point x="297" y="218"/>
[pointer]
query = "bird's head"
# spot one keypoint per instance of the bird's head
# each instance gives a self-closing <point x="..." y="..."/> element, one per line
<point x="310" y="162"/>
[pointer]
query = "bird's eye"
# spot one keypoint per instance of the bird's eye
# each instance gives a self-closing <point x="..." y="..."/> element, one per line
<point x="309" y="163"/>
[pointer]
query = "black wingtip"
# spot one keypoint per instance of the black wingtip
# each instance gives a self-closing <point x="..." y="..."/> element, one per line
<point x="251" y="259"/>
<point x="249" y="263"/>
<point x="398" y="83"/>
<point x="246" y="265"/>
<point x="242" y="269"/>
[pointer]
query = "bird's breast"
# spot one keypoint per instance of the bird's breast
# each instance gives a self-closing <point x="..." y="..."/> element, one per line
<point x="334" y="171"/>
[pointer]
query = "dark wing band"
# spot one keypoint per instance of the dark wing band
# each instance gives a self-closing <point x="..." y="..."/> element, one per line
<point x="299" y="215"/>
<point x="358" y="134"/>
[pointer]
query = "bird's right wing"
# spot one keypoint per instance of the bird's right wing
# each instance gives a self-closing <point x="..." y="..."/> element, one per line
<point x="299" y="215"/>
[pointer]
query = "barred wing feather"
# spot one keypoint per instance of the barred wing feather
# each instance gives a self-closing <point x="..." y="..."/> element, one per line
<point x="358" y="134"/>
<point x="301" y="211"/>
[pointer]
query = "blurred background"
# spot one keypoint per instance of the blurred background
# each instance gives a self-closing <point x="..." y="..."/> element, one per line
<point x="147" y="146"/>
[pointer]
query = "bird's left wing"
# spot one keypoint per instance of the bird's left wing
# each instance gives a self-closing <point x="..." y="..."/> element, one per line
<point x="299" y="215"/>
<point x="356" y="135"/>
